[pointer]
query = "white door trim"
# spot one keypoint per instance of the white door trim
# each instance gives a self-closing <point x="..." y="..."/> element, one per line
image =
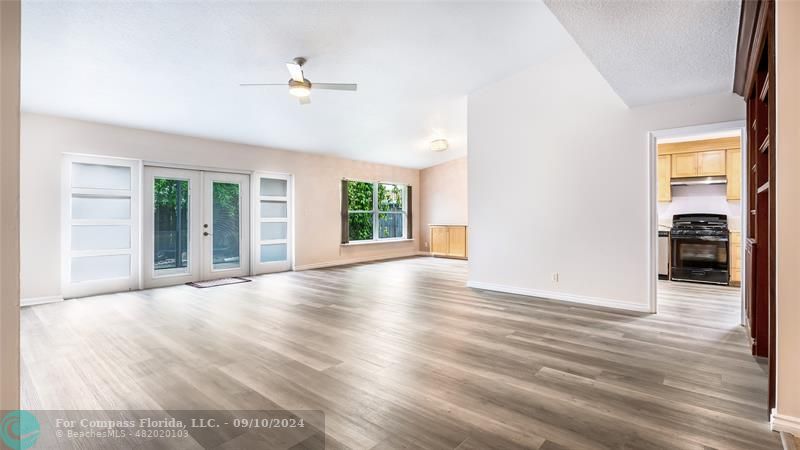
<point x="652" y="187"/>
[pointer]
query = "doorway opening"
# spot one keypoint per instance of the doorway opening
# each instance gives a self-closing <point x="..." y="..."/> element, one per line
<point x="697" y="222"/>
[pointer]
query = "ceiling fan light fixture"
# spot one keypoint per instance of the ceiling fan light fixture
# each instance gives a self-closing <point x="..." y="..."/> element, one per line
<point x="439" y="145"/>
<point x="300" y="88"/>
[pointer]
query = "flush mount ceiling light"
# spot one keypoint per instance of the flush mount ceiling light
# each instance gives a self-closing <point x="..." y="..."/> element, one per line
<point x="439" y="145"/>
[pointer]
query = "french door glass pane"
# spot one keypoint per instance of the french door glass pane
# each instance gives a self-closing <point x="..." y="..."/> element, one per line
<point x="226" y="226"/>
<point x="390" y="225"/>
<point x="273" y="230"/>
<point x="98" y="176"/>
<point x="171" y="225"/>
<point x="271" y="187"/>
<point x="101" y="237"/>
<point x="92" y="268"/>
<point x="273" y="210"/>
<point x="273" y="252"/>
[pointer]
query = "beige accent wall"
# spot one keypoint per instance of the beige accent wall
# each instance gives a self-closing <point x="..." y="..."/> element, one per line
<point x="316" y="182"/>
<point x="788" y="210"/>
<point x="443" y="190"/>
<point x="9" y="203"/>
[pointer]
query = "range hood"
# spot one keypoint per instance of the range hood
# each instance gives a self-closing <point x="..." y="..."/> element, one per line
<point x="692" y="181"/>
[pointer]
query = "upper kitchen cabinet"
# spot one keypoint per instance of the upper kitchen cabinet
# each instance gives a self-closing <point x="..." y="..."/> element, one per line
<point x="702" y="158"/>
<point x="664" y="165"/>
<point x="734" y="172"/>
<point x="711" y="163"/>
<point x="684" y="165"/>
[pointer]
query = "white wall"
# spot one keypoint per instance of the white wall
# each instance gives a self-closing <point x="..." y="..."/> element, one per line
<point x="788" y="216"/>
<point x="558" y="182"/>
<point x="443" y="191"/>
<point x="701" y="199"/>
<point x="316" y="181"/>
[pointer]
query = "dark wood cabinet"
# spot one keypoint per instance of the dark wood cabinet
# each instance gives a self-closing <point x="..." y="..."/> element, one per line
<point x="755" y="81"/>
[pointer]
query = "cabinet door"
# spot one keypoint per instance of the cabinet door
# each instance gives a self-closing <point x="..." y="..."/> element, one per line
<point x="733" y="162"/>
<point x="664" y="167"/>
<point x="457" y="242"/>
<point x="735" y="264"/>
<point x="684" y="165"/>
<point x="439" y="241"/>
<point x="711" y="163"/>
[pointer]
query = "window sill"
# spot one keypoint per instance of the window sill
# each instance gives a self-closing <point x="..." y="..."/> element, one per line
<point x="376" y="241"/>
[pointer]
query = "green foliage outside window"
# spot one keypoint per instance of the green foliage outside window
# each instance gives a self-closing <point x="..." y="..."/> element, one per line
<point x="359" y="198"/>
<point x="362" y="211"/>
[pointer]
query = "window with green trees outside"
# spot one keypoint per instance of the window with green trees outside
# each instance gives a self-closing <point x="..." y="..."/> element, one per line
<point x="376" y="210"/>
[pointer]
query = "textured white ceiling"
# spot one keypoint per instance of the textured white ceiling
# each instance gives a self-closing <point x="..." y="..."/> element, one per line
<point x="654" y="51"/>
<point x="176" y="66"/>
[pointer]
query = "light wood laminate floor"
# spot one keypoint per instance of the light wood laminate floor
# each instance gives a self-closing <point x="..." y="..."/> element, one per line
<point x="400" y="354"/>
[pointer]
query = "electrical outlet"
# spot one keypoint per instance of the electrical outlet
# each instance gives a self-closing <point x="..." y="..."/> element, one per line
<point x="555" y="277"/>
<point x="426" y="244"/>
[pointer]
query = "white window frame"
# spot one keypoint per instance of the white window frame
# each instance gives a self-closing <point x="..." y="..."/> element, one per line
<point x="376" y="213"/>
<point x="94" y="287"/>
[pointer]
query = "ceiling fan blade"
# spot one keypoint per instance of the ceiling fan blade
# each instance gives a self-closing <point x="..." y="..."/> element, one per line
<point x="263" y="84"/>
<point x="335" y="86"/>
<point x="304" y="100"/>
<point x="296" y="71"/>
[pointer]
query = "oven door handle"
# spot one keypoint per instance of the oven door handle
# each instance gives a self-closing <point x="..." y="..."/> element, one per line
<point x="701" y="238"/>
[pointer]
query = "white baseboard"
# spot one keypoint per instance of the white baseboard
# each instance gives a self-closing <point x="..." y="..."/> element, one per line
<point x="30" y="301"/>
<point x="562" y="296"/>
<point x="788" y="424"/>
<point x="344" y="262"/>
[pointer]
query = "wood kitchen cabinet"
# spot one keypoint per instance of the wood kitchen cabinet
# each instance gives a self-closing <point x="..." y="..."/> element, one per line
<point x="699" y="164"/>
<point x="664" y="167"/>
<point x="449" y="241"/>
<point x="684" y="165"/>
<point x="733" y="161"/>
<point x="711" y="163"/>
<point x="735" y="258"/>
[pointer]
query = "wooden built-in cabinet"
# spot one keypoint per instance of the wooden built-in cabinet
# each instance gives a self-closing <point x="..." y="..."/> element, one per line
<point x="755" y="80"/>
<point x="449" y="241"/>
<point x="703" y="158"/>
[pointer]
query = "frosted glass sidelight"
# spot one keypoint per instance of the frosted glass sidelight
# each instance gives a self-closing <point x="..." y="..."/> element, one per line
<point x="273" y="252"/>
<point x="273" y="210"/>
<point x="101" y="237"/>
<point x="92" y="268"/>
<point x="273" y="230"/>
<point x="98" y="176"/>
<point x="101" y="208"/>
<point x="271" y="187"/>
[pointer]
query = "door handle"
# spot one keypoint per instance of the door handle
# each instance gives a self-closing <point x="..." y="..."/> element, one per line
<point x="205" y="233"/>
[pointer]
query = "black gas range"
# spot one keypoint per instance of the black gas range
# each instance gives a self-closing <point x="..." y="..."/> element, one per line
<point x="700" y="248"/>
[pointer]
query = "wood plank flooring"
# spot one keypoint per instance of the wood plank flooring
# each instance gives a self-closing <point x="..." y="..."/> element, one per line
<point x="400" y="354"/>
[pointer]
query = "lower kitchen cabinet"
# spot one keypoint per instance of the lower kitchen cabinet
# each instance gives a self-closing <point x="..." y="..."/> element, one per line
<point x="449" y="241"/>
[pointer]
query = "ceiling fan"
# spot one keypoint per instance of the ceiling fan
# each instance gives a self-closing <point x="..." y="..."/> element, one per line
<point x="301" y="87"/>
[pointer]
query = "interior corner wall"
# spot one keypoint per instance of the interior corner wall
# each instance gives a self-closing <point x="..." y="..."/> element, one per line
<point x="9" y="203"/>
<point x="317" y="189"/>
<point x="443" y="190"/>
<point x="559" y="182"/>
<point x="787" y="216"/>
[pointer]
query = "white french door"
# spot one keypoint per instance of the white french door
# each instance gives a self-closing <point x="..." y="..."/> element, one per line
<point x="196" y="226"/>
